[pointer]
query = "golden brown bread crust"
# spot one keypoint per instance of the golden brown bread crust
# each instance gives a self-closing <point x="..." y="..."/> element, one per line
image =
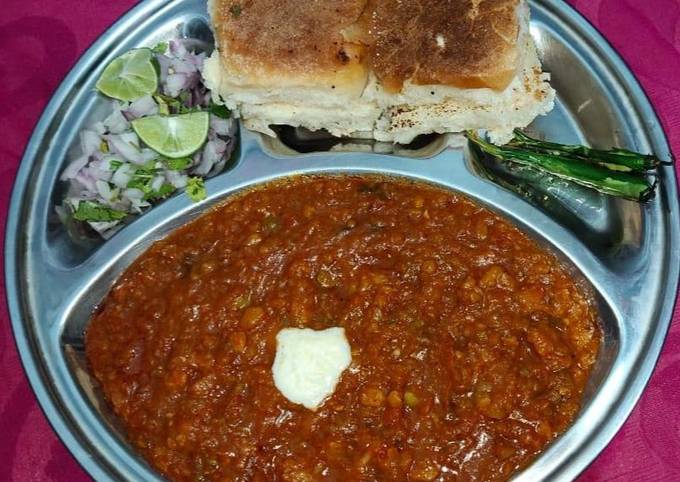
<point x="292" y="36"/>
<point x="459" y="43"/>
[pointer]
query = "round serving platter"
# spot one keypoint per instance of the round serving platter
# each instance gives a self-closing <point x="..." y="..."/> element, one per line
<point x="628" y="253"/>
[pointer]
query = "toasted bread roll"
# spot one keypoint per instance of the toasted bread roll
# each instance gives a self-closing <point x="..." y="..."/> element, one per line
<point x="387" y="69"/>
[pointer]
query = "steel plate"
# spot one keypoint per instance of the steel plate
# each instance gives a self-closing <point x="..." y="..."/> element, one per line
<point x="628" y="253"/>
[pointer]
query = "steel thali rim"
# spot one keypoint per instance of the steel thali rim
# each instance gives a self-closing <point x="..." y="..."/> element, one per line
<point x="100" y="462"/>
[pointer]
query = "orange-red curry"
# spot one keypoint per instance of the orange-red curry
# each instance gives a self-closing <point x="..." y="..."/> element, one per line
<point x="471" y="345"/>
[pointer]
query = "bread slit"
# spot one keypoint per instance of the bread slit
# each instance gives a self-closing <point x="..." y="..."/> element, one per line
<point x="393" y="68"/>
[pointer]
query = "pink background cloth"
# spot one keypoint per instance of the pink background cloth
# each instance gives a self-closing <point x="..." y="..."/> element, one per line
<point x="40" y="40"/>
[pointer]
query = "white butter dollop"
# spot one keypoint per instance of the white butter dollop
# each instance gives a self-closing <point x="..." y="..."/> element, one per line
<point x="309" y="363"/>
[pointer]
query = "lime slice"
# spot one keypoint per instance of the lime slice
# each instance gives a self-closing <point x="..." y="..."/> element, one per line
<point x="173" y="136"/>
<point x="130" y="76"/>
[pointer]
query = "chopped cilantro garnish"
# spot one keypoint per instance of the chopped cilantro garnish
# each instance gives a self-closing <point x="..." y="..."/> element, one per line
<point x="144" y="173"/>
<point x="189" y="110"/>
<point x="95" y="212"/>
<point x="164" y="191"/>
<point x="164" y="98"/>
<point x="151" y="167"/>
<point x="143" y="177"/>
<point x="178" y="164"/>
<point x="163" y="109"/>
<point x="167" y="105"/>
<point x="139" y="183"/>
<point x="196" y="189"/>
<point x="115" y="164"/>
<point x="184" y="99"/>
<point x="160" y="47"/>
<point x="219" y="110"/>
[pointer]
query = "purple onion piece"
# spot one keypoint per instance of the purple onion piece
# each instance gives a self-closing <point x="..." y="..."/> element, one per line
<point x="73" y="168"/>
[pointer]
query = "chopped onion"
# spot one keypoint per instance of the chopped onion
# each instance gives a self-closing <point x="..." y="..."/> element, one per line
<point x="107" y="161"/>
<point x="164" y="64"/>
<point x="148" y="155"/>
<point x="198" y="97"/>
<point x="73" y="168"/>
<point x="89" y="142"/>
<point x="103" y="171"/>
<point x="231" y="144"/>
<point x="181" y="66"/>
<point x="97" y="155"/>
<point x="131" y="138"/>
<point x="157" y="183"/>
<point x="198" y="60"/>
<point x="134" y="194"/>
<point x="85" y="180"/>
<point x="222" y="127"/>
<point x="105" y="190"/>
<point x="136" y="197"/>
<point x="99" y="128"/>
<point x="193" y="80"/>
<point x="122" y="176"/>
<point x="116" y="123"/>
<point x="78" y="191"/>
<point x="176" y="179"/>
<point x="175" y="83"/>
<point x="126" y="145"/>
<point x="212" y="154"/>
<point x="177" y="48"/>
<point x="97" y="170"/>
<point x="143" y="106"/>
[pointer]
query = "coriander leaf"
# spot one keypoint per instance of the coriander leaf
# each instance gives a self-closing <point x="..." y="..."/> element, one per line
<point x="115" y="164"/>
<point x="164" y="98"/>
<point x="188" y="110"/>
<point x="140" y="183"/>
<point x="167" y="105"/>
<point x="160" y="47"/>
<point x="156" y="66"/>
<point x="143" y="174"/>
<point x="185" y="98"/>
<point x="95" y="212"/>
<point x="143" y="178"/>
<point x="164" y="191"/>
<point x="163" y="109"/>
<point x="219" y="110"/>
<point x="149" y="167"/>
<point x="196" y="189"/>
<point x="178" y="164"/>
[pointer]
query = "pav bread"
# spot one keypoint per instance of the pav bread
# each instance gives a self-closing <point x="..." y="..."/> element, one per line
<point x="383" y="69"/>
